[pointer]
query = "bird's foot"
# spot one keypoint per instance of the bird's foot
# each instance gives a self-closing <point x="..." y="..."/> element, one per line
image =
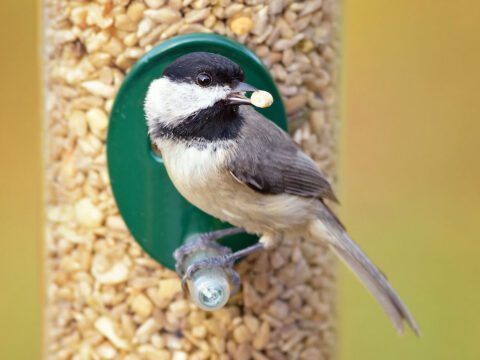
<point x="202" y="242"/>
<point x="224" y="260"/>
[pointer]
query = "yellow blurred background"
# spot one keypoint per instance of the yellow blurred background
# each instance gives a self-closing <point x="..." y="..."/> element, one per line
<point x="409" y="175"/>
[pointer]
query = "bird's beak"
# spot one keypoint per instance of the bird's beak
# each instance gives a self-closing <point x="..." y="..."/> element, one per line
<point x="237" y="97"/>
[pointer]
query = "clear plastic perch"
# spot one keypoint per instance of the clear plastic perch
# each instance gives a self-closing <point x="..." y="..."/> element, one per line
<point x="209" y="287"/>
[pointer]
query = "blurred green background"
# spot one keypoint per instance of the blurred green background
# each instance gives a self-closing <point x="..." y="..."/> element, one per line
<point x="410" y="175"/>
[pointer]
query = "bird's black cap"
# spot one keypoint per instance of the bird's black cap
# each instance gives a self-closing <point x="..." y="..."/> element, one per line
<point x="187" y="67"/>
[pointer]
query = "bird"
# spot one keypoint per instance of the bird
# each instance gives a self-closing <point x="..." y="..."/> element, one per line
<point x="231" y="162"/>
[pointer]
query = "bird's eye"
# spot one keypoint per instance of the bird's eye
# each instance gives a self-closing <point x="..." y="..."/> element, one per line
<point x="204" y="79"/>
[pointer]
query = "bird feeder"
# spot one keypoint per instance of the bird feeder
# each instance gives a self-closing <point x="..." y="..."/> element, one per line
<point x="114" y="219"/>
<point x="157" y="216"/>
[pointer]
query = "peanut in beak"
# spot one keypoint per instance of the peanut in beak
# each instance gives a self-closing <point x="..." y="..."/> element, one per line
<point x="261" y="99"/>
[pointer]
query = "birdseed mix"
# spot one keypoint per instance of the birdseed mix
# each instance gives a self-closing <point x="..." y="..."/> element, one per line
<point x="105" y="298"/>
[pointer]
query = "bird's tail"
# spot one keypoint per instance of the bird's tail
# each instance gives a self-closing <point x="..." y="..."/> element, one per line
<point x="362" y="266"/>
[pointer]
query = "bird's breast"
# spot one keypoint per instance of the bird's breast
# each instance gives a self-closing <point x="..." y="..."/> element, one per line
<point x="201" y="176"/>
<point x="194" y="168"/>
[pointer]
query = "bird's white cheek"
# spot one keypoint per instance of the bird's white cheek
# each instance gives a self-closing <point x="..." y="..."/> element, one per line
<point x="169" y="102"/>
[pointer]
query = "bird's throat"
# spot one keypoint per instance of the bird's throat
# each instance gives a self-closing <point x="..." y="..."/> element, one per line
<point x="217" y="123"/>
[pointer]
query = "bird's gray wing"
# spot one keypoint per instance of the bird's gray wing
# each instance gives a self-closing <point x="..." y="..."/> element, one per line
<point x="268" y="161"/>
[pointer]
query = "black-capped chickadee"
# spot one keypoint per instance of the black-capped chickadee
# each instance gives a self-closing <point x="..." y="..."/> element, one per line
<point x="236" y="165"/>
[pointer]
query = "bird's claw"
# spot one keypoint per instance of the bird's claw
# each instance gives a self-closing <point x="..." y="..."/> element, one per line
<point x="198" y="244"/>
<point x="203" y="242"/>
<point x="225" y="262"/>
<point x="225" y="258"/>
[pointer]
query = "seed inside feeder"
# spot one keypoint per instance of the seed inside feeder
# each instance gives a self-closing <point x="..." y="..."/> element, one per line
<point x="261" y="99"/>
<point x="306" y="79"/>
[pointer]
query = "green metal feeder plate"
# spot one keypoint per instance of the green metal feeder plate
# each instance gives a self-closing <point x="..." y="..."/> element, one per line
<point x="158" y="217"/>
